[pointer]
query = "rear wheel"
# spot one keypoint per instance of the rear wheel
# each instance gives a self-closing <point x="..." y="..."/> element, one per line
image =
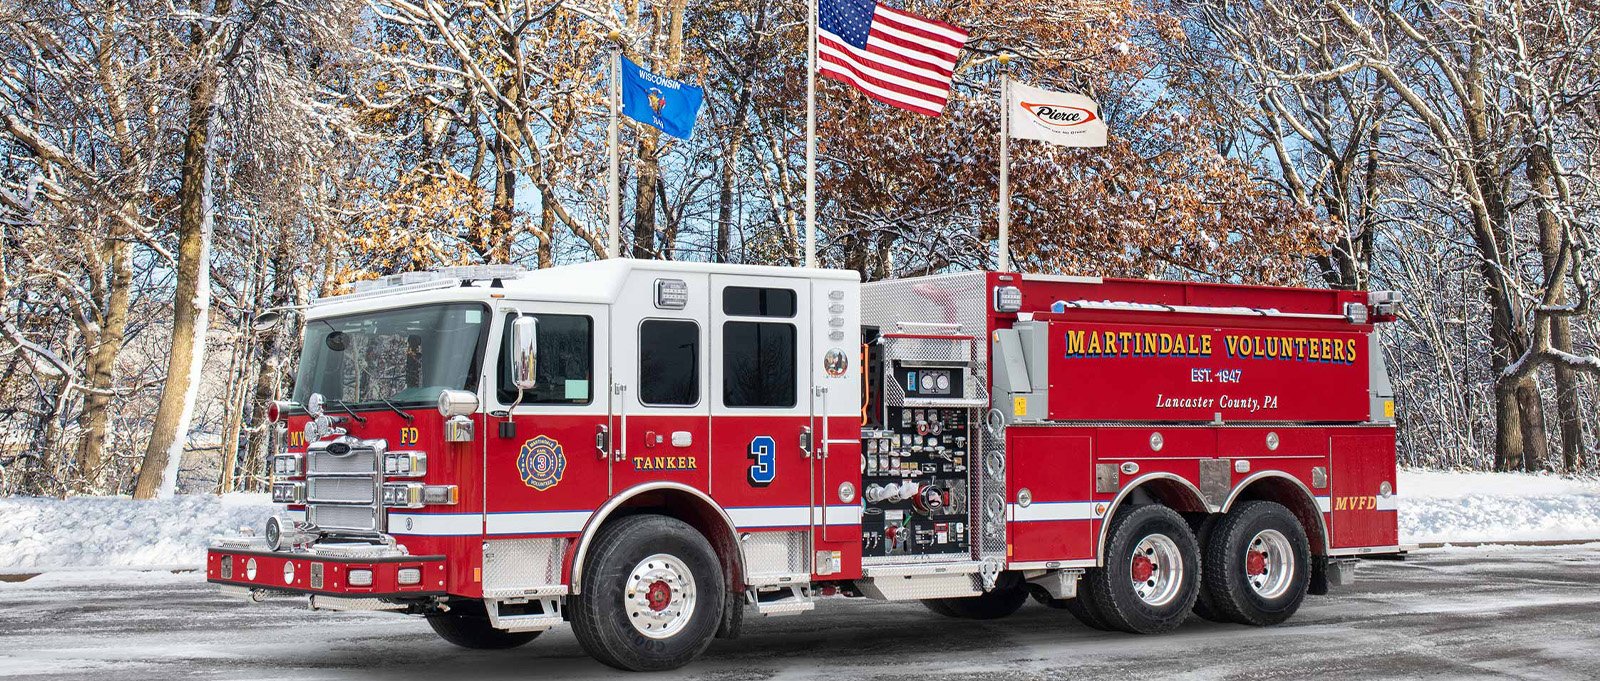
<point x="1202" y="534"/>
<point x="467" y="625"/>
<point x="1086" y="612"/>
<point x="1258" y="565"/>
<point x="993" y="605"/>
<point x="652" y="595"/>
<point x="1151" y="573"/>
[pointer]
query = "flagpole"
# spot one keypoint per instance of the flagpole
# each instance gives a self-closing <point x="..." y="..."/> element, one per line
<point x="811" y="133"/>
<point x="1005" y="165"/>
<point x="613" y="183"/>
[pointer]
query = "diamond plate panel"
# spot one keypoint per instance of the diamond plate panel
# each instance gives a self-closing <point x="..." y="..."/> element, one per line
<point x="775" y="553"/>
<point x="955" y="299"/>
<point x="923" y="586"/>
<point x="520" y="565"/>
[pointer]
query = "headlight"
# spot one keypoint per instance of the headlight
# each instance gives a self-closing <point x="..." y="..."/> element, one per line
<point x="409" y="576"/>
<point x="288" y="465"/>
<point x="360" y="578"/>
<point x="457" y="403"/>
<point x="405" y="464"/>
<point x="288" y="493"/>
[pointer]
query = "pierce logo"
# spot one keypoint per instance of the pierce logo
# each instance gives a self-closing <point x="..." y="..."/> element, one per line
<point x="1057" y="116"/>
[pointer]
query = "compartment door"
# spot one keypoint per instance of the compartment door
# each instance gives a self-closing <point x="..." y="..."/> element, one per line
<point x="1049" y="496"/>
<point x="1360" y="514"/>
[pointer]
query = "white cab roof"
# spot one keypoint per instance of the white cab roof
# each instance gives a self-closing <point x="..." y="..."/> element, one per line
<point x="599" y="281"/>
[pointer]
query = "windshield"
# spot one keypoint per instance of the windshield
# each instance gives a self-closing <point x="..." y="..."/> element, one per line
<point x="406" y="356"/>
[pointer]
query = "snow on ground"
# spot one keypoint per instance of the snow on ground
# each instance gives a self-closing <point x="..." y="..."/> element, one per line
<point x="45" y="534"/>
<point x="1453" y="506"/>
<point x="38" y="534"/>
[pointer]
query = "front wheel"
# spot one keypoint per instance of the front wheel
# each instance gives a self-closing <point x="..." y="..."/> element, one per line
<point x="467" y="625"/>
<point x="1151" y="573"/>
<point x="1258" y="564"/>
<point x="652" y="595"/>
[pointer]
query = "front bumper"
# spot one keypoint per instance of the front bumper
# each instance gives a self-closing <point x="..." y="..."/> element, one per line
<point x="325" y="569"/>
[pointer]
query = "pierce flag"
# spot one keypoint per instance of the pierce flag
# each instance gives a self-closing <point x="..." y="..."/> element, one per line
<point x="1063" y="118"/>
<point x="668" y="105"/>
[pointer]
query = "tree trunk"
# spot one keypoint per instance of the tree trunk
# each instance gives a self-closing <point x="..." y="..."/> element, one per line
<point x="1507" y="427"/>
<point x="191" y="302"/>
<point x="1530" y="409"/>
<point x="506" y="141"/>
<point x="644" y="196"/>
<point x="1552" y="241"/>
<point x="725" y="203"/>
<point x="100" y="374"/>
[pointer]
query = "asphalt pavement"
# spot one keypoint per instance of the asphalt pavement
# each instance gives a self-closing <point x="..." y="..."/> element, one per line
<point x="1488" y="612"/>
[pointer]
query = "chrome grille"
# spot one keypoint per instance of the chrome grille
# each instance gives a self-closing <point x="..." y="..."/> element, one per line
<point x="349" y="480"/>
<point x="359" y="460"/>
<point x="341" y="490"/>
<point x="343" y="517"/>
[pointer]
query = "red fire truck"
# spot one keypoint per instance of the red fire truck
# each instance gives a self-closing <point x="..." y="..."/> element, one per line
<point x="648" y="450"/>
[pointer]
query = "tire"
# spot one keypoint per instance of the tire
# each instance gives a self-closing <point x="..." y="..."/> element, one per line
<point x="652" y="560"/>
<point x="467" y="625"/>
<point x="1086" y="611"/>
<point x="1202" y="604"/>
<point x="1167" y="562"/>
<point x="1266" y="597"/>
<point x="991" y="605"/>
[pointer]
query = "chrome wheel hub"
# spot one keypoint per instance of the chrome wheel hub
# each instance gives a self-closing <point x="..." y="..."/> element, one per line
<point x="1269" y="564"/>
<point x="659" y="596"/>
<point x="1156" y="570"/>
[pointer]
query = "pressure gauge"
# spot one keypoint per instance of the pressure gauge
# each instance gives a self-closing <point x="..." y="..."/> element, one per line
<point x="928" y="383"/>
<point x="944" y="383"/>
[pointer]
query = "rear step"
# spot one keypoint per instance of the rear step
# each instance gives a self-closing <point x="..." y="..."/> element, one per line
<point x="786" y="600"/>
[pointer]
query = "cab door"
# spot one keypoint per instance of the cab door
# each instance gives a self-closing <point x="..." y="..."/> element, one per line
<point x="763" y="435"/>
<point x="543" y="471"/>
<point x="660" y="419"/>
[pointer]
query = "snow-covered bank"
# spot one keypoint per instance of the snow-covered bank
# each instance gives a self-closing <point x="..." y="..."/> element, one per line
<point x="41" y="534"/>
<point x="1449" y="506"/>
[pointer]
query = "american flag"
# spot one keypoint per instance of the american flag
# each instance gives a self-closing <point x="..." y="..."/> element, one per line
<point x="895" y="57"/>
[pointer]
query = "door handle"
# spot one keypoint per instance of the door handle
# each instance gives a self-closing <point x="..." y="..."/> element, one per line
<point x="805" y="441"/>
<point x="602" y="440"/>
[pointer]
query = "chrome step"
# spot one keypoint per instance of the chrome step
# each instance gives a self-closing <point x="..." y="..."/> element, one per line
<point x="789" y="600"/>
<point x="548" y="615"/>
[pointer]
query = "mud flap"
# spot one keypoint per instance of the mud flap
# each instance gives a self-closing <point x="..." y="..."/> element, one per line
<point x="732" y="616"/>
<point x="1327" y="573"/>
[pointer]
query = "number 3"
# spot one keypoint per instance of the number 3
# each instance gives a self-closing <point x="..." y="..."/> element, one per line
<point x="762" y="449"/>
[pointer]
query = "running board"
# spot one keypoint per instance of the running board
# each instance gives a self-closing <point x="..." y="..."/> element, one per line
<point x="788" y="600"/>
<point x="523" y="614"/>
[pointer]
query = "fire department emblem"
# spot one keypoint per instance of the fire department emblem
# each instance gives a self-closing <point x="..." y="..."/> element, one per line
<point x="541" y="463"/>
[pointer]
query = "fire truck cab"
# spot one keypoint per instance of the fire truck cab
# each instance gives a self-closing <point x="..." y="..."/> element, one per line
<point x="648" y="450"/>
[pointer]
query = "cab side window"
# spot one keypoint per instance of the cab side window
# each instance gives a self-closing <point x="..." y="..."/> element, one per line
<point x="758" y="364"/>
<point x="566" y="362"/>
<point x="669" y="362"/>
<point x="758" y="357"/>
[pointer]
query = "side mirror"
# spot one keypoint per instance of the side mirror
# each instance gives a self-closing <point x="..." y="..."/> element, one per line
<point x="524" y="352"/>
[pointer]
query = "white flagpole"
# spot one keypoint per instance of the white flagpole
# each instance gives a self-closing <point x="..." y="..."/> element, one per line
<point x="811" y="133"/>
<point x="1005" y="163"/>
<point x="613" y="183"/>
